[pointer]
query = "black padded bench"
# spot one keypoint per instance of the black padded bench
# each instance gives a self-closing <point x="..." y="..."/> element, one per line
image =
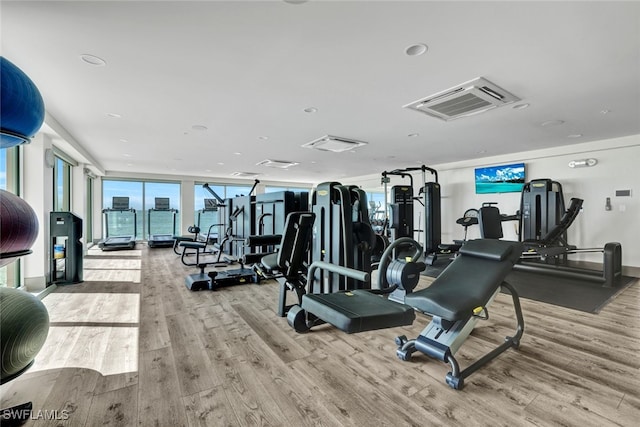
<point x="458" y="298"/>
<point x="358" y="310"/>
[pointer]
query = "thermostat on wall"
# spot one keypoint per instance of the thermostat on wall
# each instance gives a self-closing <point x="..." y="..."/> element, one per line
<point x="623" y="193"/>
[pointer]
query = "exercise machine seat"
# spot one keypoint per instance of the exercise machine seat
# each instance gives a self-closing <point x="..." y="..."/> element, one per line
<point x="358" y="310"/>
<point x="463" y="286"/>
<point x="490" y="222"/>
<point x="270" y="262"/>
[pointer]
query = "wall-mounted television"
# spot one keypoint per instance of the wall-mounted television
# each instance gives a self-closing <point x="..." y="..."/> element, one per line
<point x="500" y="179"/>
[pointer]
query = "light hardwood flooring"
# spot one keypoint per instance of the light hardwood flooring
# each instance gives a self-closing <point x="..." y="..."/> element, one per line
<point x="149" y="352"/>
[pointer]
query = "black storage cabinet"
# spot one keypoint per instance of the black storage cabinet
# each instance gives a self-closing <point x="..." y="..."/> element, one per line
<point x="65" y="232"/>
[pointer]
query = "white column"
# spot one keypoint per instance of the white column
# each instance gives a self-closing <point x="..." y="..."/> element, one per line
<point x="187" y="205"/>
<point x="78" y="197"/>
<point x="38" y="192"/>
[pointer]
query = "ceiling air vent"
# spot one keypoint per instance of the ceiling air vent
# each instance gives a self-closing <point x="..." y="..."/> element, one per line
<point x="334" y="143"/>
<point x="473" y="97"/>
<point x="245" y="174"/>
<point x="280" y="164"/>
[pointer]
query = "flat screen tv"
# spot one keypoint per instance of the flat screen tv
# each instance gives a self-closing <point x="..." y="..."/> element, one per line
<point x="500" y="179"/>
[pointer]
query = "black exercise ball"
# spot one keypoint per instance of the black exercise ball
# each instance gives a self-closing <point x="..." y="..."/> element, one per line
<point x="21" y="106"/>
<point x="18" y="225"/>
<point x="25" y="325"/>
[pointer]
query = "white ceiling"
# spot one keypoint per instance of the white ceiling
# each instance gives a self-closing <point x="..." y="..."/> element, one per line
<point x="247" y="70"/>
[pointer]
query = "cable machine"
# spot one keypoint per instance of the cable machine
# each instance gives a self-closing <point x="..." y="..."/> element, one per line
<point x="401" y="217"/>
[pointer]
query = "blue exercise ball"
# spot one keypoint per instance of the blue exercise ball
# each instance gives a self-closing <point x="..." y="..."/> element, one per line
<point x="21" y="106"/>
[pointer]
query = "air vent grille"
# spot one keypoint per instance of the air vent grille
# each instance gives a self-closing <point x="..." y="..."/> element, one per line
<point x="336" y="144"/>
<point x="280" y="164"/>
<point x="245" y="174"/>
<point x="472" y="97"/>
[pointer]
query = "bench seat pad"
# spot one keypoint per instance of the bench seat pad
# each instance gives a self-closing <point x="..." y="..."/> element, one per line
<point x="469" y="281"/>
<point x="358" y="310"/>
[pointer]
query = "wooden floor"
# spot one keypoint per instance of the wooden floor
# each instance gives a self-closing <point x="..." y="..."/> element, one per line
<point x="140" y="349"/>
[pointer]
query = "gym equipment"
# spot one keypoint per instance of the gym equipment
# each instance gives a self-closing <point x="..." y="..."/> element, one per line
<point x="24" y="326"/>
<point x="287" y="264"/>
<point x="119" y="205"/>
<point x="469" y="218"/>
<point x="157" y="240"/>
<point x="215" y="279"/>
<point x="342" y="235"/>
<point x="541" y="207"/>
<point x="198" y="248"/>
<point x="363" y="310"/>
<point x="270" y="211"/>
<point x="18" y="227"/>
<point x="21" y="105"/>
<point x="193" y="229"/>
<point x="65" y="232"/>
<point x="401" y="220"/>
<point x="241" y="219"/>
<point x="266" y="243"/>
<point x="548" y="253"/>
<point x="218" y="279"/>
<point x="456" y="301"/>
<point x="24" y="321"/>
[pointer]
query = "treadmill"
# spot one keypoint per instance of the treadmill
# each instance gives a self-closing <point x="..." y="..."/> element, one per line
<point x="158" y="240"/>
<point x="119" y="205"/>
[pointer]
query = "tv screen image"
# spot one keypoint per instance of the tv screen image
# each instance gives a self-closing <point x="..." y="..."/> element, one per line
<point x="500" y="179"/>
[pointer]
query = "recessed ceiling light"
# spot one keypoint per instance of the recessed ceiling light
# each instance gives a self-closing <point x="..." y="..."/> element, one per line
<point x="416" y="49"/>
<point x="93" y="60"/>
<point x="310" y="110"/>
<point x="124" y="140"/>
<point x="550" y="123"/>
<point x="127" y="155"/>
<point x="199" y="127"/>
<point x="413" y="135"/>
<point x="237" y="153"/>
<point x="605" y="111"/>
<point x="221" y="164"/>
<point x="481" y="151"/>
<point x="114" y="115"/>
<point x="520" y="106"/>
<point x="129" y="164"/>
<point x="207" y="170"/>
<point x="295" y="1"/>
<point x="574" y="135"/>
<point x="264" y="138"/>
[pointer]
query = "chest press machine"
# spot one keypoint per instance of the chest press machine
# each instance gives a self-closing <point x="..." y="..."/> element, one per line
<point x="456" y="300"/>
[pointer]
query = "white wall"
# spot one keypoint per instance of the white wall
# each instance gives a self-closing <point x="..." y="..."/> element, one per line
<point x="617" y="169"/>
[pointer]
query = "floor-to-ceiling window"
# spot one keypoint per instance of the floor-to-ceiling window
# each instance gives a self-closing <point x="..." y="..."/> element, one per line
<point x="142" y="197"/>
<point x="61" y="185"/>
<point x="9" y="181"/>
<point x="159" y="220"/>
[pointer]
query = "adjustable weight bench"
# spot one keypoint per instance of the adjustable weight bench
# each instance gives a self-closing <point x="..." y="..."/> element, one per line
<point x="457" y="299"/>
